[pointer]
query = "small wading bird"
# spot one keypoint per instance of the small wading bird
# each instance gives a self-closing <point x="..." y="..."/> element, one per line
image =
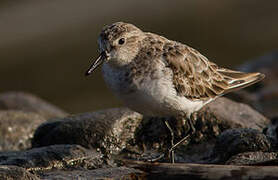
<point x="159" y="77"/>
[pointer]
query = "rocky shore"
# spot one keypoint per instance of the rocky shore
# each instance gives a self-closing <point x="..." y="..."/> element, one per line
<point x="236" y="137"/>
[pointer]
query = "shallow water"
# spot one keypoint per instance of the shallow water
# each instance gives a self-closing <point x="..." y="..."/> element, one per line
<point x="46" y="46"/>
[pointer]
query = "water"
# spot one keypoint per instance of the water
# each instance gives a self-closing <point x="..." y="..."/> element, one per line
<point x="46" y="46"/>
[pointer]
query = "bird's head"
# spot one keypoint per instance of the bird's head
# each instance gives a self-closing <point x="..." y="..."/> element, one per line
<point x="118" y="44"/>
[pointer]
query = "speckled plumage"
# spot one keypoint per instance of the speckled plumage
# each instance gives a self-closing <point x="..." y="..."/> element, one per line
<point x="160" y="77"/>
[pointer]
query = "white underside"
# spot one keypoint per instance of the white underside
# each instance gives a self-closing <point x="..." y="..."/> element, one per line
<point x="153" y="97"/>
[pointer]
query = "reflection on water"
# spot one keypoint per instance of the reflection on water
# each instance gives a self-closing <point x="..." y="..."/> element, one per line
<point x="46" y="46"/>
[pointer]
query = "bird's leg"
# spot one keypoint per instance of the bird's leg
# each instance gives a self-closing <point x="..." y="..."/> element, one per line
<point x="171" y="154"/>
<point x="192" y="130"/>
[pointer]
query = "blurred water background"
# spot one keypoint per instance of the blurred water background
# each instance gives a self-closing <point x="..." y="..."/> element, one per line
<point x="46" y="46"/>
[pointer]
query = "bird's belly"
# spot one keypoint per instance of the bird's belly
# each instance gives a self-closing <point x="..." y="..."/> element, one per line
<point x="152" y="97"/>
<point x="159" y="98"/>
<point x="145" y="103"/>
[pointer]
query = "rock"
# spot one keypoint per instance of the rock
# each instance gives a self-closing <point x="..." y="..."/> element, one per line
<point x="107" y="130"/>
<point x="250" y="158"/>
<point x="271" y="131"/>
<point x="54" y="157"/>
<point x="17" y="128"/>
<point x="212" y="120"/>
<point x="115" y="130"/>
<point x="235" y="141"/>
<point x="14" y="172"/>
<point x="102" y="173"/>
<point x="262" y="96"/>
<point x="230" y="114"/>
<point x="29" y="103"/>
<point x="266" y="64"/>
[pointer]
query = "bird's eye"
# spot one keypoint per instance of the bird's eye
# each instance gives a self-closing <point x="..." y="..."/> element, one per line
<point x="121" y="41"/>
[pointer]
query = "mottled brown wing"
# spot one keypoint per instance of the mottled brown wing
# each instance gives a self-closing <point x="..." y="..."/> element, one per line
<point x="197" y="78"/>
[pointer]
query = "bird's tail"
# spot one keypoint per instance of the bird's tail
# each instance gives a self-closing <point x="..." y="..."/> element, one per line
<point x="237" y="80"/>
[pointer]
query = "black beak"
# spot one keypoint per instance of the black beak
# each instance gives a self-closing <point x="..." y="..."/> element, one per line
<point x="96" y="63"/>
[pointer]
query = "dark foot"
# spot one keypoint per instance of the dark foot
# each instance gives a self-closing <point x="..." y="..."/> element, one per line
<point x="161" y="156"/>
<point x="165" y="156"/>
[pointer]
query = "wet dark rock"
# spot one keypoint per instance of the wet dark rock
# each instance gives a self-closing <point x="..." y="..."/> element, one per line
<point x="107" y="130"/>
<point x="271" y="131"/>
<point x="235" y="141"/>
<point x="29" y="103"/>
<point x="17" y="128"/>
<point x="251" y="158"/>
<point x="102" y="173"/>
<point x="54" y="157"/>
<point x="153" y="138"/>
<point x="14" y="172"/>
